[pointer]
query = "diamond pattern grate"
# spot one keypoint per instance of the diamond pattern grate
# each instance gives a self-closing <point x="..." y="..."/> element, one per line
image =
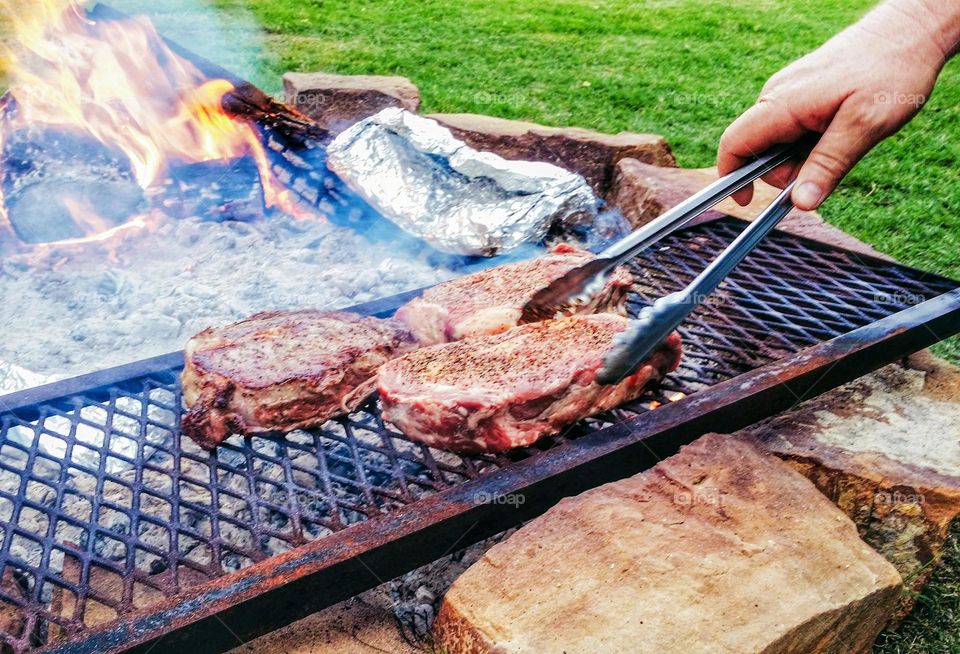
<point x="106" y="510"/>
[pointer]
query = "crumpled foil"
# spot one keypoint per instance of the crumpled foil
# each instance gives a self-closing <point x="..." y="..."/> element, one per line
<point x="458" y="199"/>
<point x="15" y="378"/>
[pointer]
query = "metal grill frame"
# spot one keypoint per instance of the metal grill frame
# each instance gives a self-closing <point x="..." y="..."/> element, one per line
<point x="285" y="587"/>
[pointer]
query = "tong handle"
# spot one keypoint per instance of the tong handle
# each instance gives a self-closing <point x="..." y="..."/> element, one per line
<point x="696" y="204"/>
<point x="583" y="280"/>
<point x="657" y="321"/>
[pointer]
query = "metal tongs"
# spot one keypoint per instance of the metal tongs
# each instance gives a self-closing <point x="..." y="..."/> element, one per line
<point x="656" y="322"/>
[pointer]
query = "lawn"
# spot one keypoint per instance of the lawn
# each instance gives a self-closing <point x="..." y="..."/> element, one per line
<point x="681" y="68"/>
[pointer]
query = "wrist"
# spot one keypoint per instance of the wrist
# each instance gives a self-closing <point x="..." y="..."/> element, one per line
<point x="937" y="24"/>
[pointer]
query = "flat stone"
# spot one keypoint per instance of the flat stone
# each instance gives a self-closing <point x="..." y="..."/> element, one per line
<point x="642" y="192"/>
<point x="886" y="449"/>
<point x="591" y="154"/>
<point x="338" y="101"/>
<point x="717" y="549"/>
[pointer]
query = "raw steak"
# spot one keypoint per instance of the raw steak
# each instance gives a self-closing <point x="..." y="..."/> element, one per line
<point x="493" y="393"/>
<point x="490" y="301"/>
<point x="283" y="370"/>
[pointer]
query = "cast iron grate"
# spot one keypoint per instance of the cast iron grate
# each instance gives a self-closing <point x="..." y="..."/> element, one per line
<point x="107" y="510"/>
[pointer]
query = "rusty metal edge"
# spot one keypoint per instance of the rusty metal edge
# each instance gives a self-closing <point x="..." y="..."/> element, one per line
<point x="273" y="593"/>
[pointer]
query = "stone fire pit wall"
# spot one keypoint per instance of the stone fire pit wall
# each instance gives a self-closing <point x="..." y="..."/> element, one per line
<point x="336" y="101"/>
<point x="884" y="449"/>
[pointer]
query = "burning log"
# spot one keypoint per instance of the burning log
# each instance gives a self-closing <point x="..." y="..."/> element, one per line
<point x="89" y="144"/>
<point x="249" y="102"/>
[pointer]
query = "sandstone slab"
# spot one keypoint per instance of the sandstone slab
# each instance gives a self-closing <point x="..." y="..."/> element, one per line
<point x="589" y="153"/>
<point x="886" y="449"/>
<point x="717" y="549"/>
<point x="338" y="101"/>
<point x="642" y="192"/>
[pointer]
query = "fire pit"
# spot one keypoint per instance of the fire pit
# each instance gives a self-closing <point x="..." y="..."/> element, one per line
<point x="274" y="529"/>
<point x="120" y="534"/>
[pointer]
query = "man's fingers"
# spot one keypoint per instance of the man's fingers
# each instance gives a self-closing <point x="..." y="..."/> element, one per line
<point x="782" y="174"/>
<point x="843" y="144"/>
<point x="744" y="196"/>
<point x="779" y="177"/>
<point x="760" y="127"/>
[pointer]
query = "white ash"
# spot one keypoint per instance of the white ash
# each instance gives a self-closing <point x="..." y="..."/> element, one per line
<point x="72" y="309"/>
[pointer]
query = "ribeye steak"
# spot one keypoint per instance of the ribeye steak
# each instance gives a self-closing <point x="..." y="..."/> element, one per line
<point x="493" y="393"/>
<point x="490" y="301"/>
<point x="283" y="370"/>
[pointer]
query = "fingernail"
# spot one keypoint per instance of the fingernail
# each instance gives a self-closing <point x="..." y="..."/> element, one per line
<point x="808" y="195"/>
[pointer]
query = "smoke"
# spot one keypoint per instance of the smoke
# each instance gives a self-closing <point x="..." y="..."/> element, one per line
<point x="228" y="36"/>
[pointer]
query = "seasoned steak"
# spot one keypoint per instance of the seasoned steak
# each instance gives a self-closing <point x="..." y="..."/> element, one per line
<point x="490" y="301"/>
<point x="283" y="370"/>
<point x="493" y="393"/>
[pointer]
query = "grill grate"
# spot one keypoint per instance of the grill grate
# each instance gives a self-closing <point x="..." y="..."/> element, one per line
<point x="107" y="510"/>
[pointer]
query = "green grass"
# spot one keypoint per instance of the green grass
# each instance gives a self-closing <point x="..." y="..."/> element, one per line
<point x="932" y="628"/>
<point x="681" y="68"/>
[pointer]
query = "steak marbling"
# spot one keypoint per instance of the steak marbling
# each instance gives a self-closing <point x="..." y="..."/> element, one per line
<point x="493" y="393"/>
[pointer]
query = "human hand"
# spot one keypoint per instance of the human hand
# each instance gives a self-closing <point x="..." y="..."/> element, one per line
<point x="857" y="89"/>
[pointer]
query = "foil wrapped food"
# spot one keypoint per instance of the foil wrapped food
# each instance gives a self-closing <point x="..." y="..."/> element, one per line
<point x="460" y="200"/>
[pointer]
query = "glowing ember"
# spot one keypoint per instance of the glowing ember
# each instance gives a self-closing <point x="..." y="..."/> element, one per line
<point x="671" y="396"/>
<point x="120" y="83"/>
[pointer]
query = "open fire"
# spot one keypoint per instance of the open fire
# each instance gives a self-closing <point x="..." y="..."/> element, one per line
<point x="125" y="239"/>
<point x="118" y="83"/>
<point x="146" y="195"/>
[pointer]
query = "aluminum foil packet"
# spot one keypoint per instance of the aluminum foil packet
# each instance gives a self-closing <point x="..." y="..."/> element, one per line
<point x="459" y="200"/>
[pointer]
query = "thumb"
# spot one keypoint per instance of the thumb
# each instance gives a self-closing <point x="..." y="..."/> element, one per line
<point x="847" y="139"/>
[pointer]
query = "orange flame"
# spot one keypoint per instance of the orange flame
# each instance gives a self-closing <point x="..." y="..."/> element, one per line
<point x="121" y="83"/>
